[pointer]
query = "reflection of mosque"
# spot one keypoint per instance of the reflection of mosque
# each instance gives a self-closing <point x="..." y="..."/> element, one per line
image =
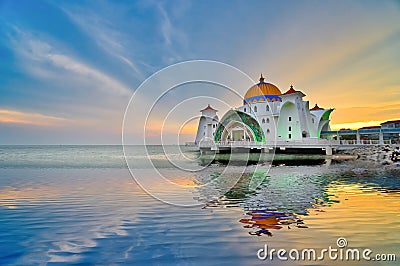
<point x="277" y="203"/>
<point x="284" y="197"/>
<point x="264" y="220"/>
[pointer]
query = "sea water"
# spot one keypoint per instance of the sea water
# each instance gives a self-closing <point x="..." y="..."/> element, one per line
<point x="82" y="205"/>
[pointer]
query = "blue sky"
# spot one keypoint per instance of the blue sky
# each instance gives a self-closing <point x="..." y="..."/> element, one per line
<point x="68" y="68"/>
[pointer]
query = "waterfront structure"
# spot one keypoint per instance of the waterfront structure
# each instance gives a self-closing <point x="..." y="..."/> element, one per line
<point x="387" y="133"/>
<point x="391" y="126"/>
<point x="266" y="116"/>
<point x="207" y="125"/>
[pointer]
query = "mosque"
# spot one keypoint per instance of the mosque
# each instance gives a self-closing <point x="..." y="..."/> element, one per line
<point x="266" y="116"/>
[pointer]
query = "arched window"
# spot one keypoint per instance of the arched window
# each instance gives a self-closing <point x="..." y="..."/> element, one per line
<point x="268" y="131"/>
<point x="263" y="121"/>
<point x="245" y="109"/>
<point x="267" y="120"/>
<point x="267" y="108"/>
<point x="255" y="108"/>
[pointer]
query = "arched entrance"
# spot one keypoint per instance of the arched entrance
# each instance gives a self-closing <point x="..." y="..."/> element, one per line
<point x="236" y="125"/>
<point x="237" y="131"/>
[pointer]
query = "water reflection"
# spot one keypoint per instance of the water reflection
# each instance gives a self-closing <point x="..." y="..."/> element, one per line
<point x="288" y="194"/>
<point x="94" y="216"/>
<point x="262" y="220"/>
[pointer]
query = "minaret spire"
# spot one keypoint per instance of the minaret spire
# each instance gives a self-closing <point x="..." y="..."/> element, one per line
<point x="262" y="78"/>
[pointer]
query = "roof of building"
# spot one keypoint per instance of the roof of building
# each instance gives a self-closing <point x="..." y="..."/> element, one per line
<point x="316" y="108"/>
<point x="390" y="122"/>
<point x="262" y="89"/>
<point x="290" y="91"/>
<point x="370" y="127"/>
<point x="208" y="108"/>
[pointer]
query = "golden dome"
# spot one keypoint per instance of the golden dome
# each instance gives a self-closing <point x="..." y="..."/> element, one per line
<point x="261" y="89"/>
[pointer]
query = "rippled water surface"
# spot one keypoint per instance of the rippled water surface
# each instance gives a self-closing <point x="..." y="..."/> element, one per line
<point x="80" y="205"/>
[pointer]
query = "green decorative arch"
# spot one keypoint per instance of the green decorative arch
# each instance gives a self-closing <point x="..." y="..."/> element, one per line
<point x="323" y="121"/>
<point x="238" y="116"/>
<point x="326" y="115"/>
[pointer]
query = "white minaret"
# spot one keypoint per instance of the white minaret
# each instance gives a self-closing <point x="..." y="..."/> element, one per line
<point x="207" y="125"/>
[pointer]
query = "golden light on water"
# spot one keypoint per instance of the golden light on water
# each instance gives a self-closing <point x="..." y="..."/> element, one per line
<point x="367" y="218"/>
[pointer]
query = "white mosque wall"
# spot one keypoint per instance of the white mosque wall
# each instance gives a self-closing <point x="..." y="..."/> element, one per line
<point x="289" y="122"/>
<point x="207" y="126"/>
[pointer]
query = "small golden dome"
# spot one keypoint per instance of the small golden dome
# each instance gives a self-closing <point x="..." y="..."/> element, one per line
<point x="262" y="89"/>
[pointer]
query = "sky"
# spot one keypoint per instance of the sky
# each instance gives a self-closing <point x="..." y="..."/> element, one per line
<point x="69" y="68"/>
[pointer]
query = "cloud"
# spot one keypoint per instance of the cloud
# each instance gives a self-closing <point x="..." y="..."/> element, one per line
<point x="339" y="54"/>
<point x="17" y="117"/>
<point x="166" y="26"/>
<point x="131" y="38"/>
<point x="174" y="38"/>
<point x="104" y="33"/>
<point x="44" y="57"/>
<point x="365" y="114"/>
<point x="320" y="47"/>
<point x="70" y="64"/>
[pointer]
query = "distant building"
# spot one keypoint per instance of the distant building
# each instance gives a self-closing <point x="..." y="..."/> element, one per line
<point x="387" y="132"/>
<point x="370" y="127"/>
<point x="391" y="125"/>
<point x="368" y="136"/>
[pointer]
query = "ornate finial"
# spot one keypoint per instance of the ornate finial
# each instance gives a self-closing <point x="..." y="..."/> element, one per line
<point x="261" y="78"/>
<point x="291" y="86"/>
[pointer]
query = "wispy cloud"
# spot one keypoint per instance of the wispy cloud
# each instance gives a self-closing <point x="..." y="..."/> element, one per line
<point x="18" y="117"/>
<point x="105" y="34"/>
<point x="42" y="59"/>
<point x="77" y="60"/>
<point x="70" y="64"/>
<point x="174" y="38"/>
<point x="166" y="26"/>
<point x="110" y="32"/>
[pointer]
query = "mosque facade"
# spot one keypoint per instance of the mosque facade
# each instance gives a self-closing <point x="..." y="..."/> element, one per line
<point x="267" y="115"/>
